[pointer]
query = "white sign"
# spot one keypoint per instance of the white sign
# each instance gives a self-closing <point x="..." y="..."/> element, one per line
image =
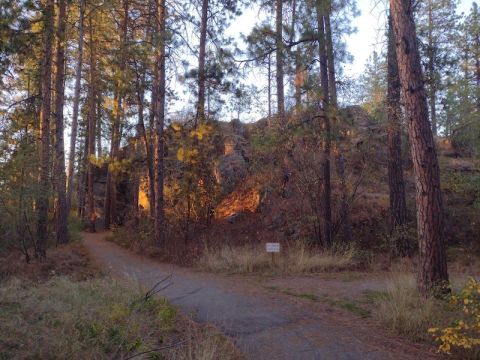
<point x="272" y="247"/>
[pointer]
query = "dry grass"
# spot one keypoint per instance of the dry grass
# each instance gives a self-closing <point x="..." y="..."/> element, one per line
<point x="404" y="310"/>
<point x="204" y="343"/>
<point x="67" y="260"/>
<point x="294" y="259"/>
<point x="97" y="319"/>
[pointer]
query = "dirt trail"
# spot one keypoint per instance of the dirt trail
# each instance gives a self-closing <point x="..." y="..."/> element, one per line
<point x="264" y="324"/>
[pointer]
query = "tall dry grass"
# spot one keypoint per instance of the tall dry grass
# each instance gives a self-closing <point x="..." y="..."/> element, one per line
<point x="403" y="309"/>
<point x="296" y="258"/>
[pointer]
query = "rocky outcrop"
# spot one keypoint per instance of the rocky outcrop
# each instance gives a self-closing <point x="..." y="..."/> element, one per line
<point x="238" y="202"/>
<point x="231" y="167"/>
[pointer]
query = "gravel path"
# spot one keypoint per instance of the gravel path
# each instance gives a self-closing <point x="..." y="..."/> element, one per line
<point x="265" y="325"/>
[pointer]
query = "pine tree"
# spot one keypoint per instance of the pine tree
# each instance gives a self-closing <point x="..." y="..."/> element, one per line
<point x="432" y="268"/>
<point x="61" y="209"/>
<point x="398" y="206"/>
<point x="437" y="22"/>
<point x="44" y="143"/>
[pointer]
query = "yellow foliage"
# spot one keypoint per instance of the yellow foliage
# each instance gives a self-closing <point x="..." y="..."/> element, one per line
<point x="187" y="155"/>
<point x="98" y="161"/>
<point x="143" y="200"/>
<point x="119" y="166"/>
<point x="201" y="131"/>
<point x="176" y="126"/>
<point x="465" y="334"/>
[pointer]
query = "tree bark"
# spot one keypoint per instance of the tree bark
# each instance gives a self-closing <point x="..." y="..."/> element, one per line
<point x="325" y="183"/>
<point x="431" y="71"/>
<point x="142" y="132"/>
<point x="200" y="116"/>
<point x="76" y="103"/>
<point x="279" y="61"/>
<point x="330" y="58"/>
<point x="44" y="144"/>
<point x="398" y="207"/>
<point x="111" y="185"/>
<point x="297" y="83"/>
<point x="61" y="225"/>
<point x="82" y="176"/>
<point x="269" y="84"/>
<point x="432" y="267"/>
<point x="98" y="131"/>
<point x="92" y="101"/>
<point x="345" y="223"/>
<point x="159" y="121"/>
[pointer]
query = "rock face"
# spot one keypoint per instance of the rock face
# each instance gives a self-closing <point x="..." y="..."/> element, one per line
<point x="236" y="203"/>
<point x="231" y="168"/>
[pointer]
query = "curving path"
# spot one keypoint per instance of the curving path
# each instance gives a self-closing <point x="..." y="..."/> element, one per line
<point x="264" y="325"/>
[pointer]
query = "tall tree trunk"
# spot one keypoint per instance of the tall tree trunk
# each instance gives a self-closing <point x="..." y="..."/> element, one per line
<point x="297" y="82"/>
<point x="269" y="84"/>
<point x="111" y="185"/>
<point x="60" y="180"/>
<point x="340" y="161"/>
<point x="82" y="176"/>
<point x="476" y="53"/>
<point x="76" y="102"/>
<point x="432" y="267"/>
<point x="398" y="207"/>
<point x="325" y="183"/>
<point x="151" y="141"/>
<point x="159" y="121"/>
<point x="44" y="145"/>
<point x="431" y="71"/>
<point x="98" y="131"/>
<point x="332" y="83"/>
<point x="142" y="132"/>
<point x="201" y="64"/>
<point x="92" y="102"/>
<point x="279" y="60"/>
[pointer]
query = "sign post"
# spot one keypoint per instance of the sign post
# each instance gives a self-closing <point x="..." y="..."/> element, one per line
<point x="272" y="248"/>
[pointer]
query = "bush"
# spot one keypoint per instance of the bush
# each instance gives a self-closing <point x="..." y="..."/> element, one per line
<point x="464" y="335"/>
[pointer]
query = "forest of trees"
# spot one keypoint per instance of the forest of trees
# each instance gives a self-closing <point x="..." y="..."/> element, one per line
<point x="83" y="82"/>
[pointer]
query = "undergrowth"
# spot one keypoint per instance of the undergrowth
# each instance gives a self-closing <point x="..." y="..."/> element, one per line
<point x="97" y="319"/>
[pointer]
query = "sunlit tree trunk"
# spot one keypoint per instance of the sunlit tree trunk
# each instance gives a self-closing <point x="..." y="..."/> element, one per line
<point x="61" y="213"/>
<point x="44" y="144"/>
<point x="432" y="266"/>
<point x="76" y="102"/>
